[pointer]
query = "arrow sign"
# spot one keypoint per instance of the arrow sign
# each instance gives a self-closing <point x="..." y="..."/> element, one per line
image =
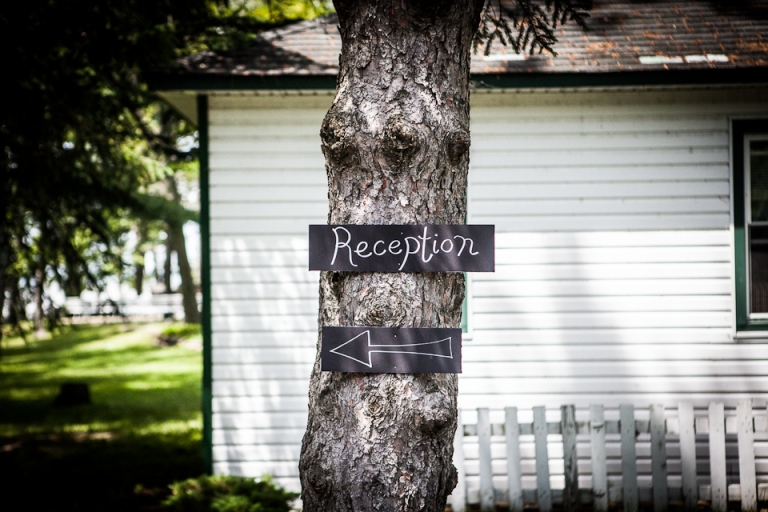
<point x="391" y="350"/>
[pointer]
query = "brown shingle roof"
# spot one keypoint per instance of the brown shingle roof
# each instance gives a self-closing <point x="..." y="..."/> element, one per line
<point x="624" y="35"/>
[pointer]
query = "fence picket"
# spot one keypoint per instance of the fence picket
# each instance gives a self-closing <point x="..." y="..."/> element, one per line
<point x="571" y="497"/>
<point x="688" y="455"/>
<point x="628" y="457"/>
<point x="659" y="459"/>
<point x="746" y="436"/>
<point x="685" y="427"/>
<point x="717" y="457"/>
<point x="543" y="492"/>
<point x="486" y="470"/>
<point x="458" y="497"/>
<point x="599" y="470"/>
<point x="514" y="470"/>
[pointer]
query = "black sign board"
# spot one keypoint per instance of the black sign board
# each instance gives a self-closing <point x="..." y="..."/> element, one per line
<point x="402" y="248"/>
<point x="391" y="350"/>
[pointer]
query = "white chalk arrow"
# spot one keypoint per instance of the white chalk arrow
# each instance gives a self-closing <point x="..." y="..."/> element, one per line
<point x="360" y="349"/>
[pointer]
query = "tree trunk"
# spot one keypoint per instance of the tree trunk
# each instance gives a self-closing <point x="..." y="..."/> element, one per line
<point x="142" y="233"/>
<point x="396" y="143"/>
<point x="179" y="244"/>
<point x="188" y="290"/>
<point x="39" y="313"/>
<point x="167" y="266"/>
<point x="5" y="262"/>
<point x="139" y="277"/>
<point x="16" y="311"/>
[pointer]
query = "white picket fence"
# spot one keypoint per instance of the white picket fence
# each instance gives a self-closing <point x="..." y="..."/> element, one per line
<point x="706" y="455"/>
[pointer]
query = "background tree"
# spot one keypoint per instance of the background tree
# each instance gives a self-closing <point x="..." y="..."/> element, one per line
<point x="396" y="142"/>
<point x="80" y="133"/>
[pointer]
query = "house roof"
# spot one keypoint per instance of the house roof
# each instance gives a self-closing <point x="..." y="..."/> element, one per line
<point x="625" y="37"/>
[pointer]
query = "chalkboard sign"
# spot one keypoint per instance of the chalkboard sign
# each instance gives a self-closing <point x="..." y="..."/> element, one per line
<point x="402" y="248"/>
<point x="391" y="350"/>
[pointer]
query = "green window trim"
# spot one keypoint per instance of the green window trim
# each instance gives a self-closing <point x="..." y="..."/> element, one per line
<point x="741" y="130"/>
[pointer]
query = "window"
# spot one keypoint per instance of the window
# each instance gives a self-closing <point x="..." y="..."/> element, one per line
<point x="750" y="188"/>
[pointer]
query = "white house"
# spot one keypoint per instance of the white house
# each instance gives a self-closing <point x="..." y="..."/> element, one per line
<point x="628" y="182"/>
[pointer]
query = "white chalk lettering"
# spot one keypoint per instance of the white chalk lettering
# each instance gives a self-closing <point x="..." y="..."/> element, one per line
<point x="408" y="250"/>
<point x="382" y="253"/>
<point x="424" y="239"/>
<point x="342" y="244"/>
<point x="361" y="248"/>
<point x="464" y="244"/>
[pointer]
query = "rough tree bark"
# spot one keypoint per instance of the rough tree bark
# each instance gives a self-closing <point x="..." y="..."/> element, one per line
<point x="396" y="143"/>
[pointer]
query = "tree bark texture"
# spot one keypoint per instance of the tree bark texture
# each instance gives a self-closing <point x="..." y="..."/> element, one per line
<point x="396" y="143"/>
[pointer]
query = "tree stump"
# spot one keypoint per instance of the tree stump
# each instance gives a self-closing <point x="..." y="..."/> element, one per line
<point x="72" y="394"/>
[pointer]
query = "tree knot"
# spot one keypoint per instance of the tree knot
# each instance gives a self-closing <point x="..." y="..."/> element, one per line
<point x="457" y="145"/>
<point x="401" y="140"/>
<point x="338" y="147"/>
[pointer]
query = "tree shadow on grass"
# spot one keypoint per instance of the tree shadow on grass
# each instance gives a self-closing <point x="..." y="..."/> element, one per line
<point x="140" y="433"/>
<point x="81" y="472"/>
<point x="117" y="405"/>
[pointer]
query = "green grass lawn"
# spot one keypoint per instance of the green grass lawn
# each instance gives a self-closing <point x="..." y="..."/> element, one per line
<point x="141" y="432"/>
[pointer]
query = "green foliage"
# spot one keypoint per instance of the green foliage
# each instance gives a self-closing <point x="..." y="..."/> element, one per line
<point x="228" y="494"/>
<point x="82" y="139"/>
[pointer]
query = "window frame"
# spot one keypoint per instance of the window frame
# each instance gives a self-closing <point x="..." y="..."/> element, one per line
<point x="744" y="130"/>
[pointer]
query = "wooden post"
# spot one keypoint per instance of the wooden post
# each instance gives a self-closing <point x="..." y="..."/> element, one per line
<point x="688" y="455"/>
<point x="484" y="454"/>
<point x="599" y="471"/>
<point x="659" y="459"/>
<point x="571" y="498"/>
<point x="514" y="470"/>
<point x="717" y="457"/>
<point x="543" y="492"/>
<point x="628" y="457"/>
<point x="746" y="456"/>
<point x="458" y="497"/>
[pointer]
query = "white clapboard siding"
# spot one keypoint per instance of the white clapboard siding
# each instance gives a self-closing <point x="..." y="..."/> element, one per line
<point x="243" y="227"/>
<point x="613" y="279"/>
<point x="556" y="336"/>
<point x="700" y="171"/>
<point x="606" y="287"/>
<point x="250" y="177"/>
<point x="258" y="452"/>
<point x="264" y="340"/>
<point x="292" y="194"/>
<point x="267" y="184"/>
